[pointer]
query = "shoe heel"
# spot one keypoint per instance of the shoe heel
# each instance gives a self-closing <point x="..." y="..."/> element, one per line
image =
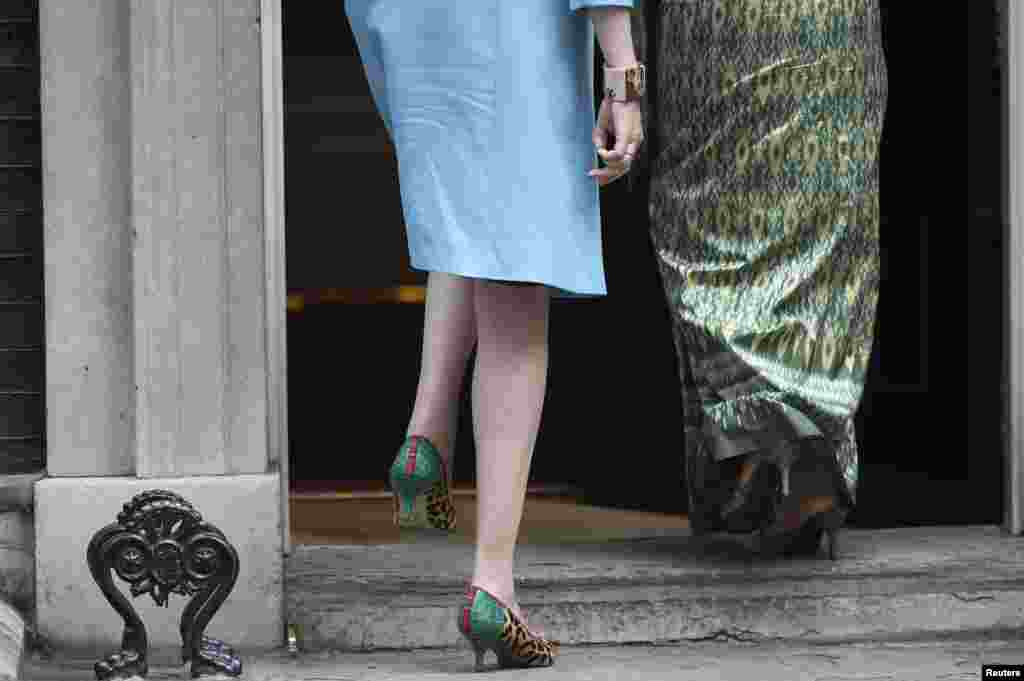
<point x="407" y="491"/>
<point x="410" y="501"/>
<point x="784" y="467"/>
<point x="784" y="460"/>
<point x="489" y="625"/>
<point x="832" y="523"/>
<point x="479" y="649"/>
<point x="833" y="539"/>
<point x="419" y="482"/>
<point x="465" y="625"/>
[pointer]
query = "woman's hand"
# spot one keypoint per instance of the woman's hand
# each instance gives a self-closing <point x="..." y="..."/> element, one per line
<point x="624" y="121"/>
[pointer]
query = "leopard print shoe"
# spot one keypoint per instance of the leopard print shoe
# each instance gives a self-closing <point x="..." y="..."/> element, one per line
<point x="419" y="480"/>
<point x="488" y="625"/>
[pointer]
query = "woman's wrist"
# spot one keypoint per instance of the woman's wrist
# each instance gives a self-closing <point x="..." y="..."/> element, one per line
<point x="614" y="34"/>
<point x="618" y="64"/>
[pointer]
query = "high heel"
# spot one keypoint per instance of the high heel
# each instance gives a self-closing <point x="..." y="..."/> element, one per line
<point x="814" y="511"/>
<point x="489" y="625"/>
<point x="791" y="522"/>
<point x="828" y="524"/>
<point x="805" y="540"/>
<point x="419" y="480"/>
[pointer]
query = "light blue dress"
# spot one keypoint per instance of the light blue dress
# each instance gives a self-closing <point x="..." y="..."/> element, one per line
<point x="490" y="105"/>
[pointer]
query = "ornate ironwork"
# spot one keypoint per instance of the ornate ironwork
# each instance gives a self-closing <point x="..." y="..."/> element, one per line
<point x="161" y="545"/>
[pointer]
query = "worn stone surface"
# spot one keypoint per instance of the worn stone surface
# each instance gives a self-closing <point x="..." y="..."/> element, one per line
<point x="16" y="491"/>
<point x="72" y="611"/>
<point x="17" y="558"/>
<point x="12" y="641"/>
<point x="17" y="540"/>
<point x="774" y="661"/>
<point x="898" y="582"/>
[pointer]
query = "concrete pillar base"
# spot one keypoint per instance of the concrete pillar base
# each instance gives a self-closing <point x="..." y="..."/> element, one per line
<point x="72" y="612"/>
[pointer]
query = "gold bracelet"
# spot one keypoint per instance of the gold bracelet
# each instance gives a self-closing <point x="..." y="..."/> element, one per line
<point x="626" y="83"/>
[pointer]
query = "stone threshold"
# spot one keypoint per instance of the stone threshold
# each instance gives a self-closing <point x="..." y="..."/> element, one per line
<point x="890" y="584"/>
<point x="377" y="490"/>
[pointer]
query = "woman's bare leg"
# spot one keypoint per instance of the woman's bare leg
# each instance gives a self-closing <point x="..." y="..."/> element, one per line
<point x="508" y="395"/>
<point x="449" y="332"/>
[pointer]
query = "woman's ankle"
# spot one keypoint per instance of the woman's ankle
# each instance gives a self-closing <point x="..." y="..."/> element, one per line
<point x="500" y="589"/>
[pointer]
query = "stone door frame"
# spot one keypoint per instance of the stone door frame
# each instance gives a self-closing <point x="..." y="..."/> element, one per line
<point x="1012" y="29"/>
<point x="274" y="225"/>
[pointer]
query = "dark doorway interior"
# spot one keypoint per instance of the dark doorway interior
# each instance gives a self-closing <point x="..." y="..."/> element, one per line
<point x="611" y="422"/>
<point x="22" y="406"/>
<point x="985" y="270"/>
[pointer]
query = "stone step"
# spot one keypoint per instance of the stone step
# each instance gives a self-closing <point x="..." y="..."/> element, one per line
<point x="886" y="584"/>
<point x="17" y="569"/>
<point x="12" y="641"/>
<point x="771" y="661"/>
<point x="17" y="559"/>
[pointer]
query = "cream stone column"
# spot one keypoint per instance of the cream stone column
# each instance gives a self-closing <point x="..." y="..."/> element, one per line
<point x="86" y="121"/>
<point x="197" y="203"/>
<point x="156" y="264"/>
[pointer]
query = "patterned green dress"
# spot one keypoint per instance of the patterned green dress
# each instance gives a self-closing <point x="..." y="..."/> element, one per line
<point x="765" y="222"/>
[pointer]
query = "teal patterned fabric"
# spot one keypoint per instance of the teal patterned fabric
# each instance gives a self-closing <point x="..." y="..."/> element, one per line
<point x="765" y="221"/>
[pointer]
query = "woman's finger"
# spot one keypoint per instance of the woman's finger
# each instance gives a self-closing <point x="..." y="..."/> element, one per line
<point x="609" y="155"/>
<point x="606" y="175"/>
<point x="613" y="157"/>
<point x="627" y="127"/>
<point x="619" y="162"/>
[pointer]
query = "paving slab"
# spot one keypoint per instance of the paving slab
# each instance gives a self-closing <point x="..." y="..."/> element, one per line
<point x="887" y="584"/>
<point x="945" y="660"/>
